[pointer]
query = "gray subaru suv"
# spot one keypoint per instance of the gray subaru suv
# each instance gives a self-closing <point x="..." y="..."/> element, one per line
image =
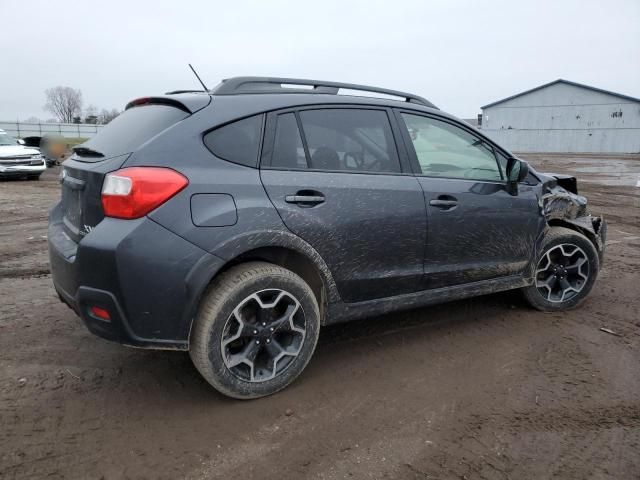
<point x="235" y="222"/>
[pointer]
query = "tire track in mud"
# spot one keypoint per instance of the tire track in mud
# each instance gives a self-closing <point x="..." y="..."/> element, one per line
<point x="9" y="256"/>
<point x="24" y="221"/>
<point x="511" y="445"/>
<point x="30" y="272"/>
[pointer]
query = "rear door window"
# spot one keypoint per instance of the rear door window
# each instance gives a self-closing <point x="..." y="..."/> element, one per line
<point x="353" y="140"/>
<point x="129" y="130"/>
<point x="237" y="142"/>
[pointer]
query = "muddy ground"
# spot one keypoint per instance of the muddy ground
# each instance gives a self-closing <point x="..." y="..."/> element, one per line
<point x="483" y="388"/>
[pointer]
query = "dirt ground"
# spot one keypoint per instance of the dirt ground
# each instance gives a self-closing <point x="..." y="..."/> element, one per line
<point x="478" y="389"/>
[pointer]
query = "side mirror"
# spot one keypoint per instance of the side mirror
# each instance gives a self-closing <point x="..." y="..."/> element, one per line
<point x="20" y="141"/>
<point x="517" y="170"/>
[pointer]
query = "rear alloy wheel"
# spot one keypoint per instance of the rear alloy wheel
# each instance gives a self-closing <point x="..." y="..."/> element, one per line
<point x="565" y="271"/>
<point x="263" y="335"/>
<point x="256" y="330"/>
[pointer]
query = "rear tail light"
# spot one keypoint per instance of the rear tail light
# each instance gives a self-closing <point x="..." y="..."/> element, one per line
<point x="133" y="192"/>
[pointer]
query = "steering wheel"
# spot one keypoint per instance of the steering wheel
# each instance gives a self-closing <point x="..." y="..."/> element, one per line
<point x="470" y="173"/>
<point x="358" y="159"/>
<point x="375" y="166"/>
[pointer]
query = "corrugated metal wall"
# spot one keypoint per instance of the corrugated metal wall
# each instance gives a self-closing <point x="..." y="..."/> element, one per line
<point x="565" y="118"/>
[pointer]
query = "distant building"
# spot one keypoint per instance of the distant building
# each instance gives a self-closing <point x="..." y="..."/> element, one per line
<point x="564" y="116"/>
<point x="476" y="122"/>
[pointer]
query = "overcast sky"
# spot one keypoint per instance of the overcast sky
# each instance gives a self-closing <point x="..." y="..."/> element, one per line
<point x="458" y="54"/>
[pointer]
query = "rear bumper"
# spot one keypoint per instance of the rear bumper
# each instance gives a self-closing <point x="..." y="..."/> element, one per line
<point x="148" y="279"/>
<point x="117" y="329"/>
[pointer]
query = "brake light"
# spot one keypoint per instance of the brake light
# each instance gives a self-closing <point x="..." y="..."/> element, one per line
<point x="140" y="101"/>
<point x="135" y="191"/>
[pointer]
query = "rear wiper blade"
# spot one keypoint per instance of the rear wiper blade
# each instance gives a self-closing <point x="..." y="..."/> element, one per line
<point x="87" y="152"/>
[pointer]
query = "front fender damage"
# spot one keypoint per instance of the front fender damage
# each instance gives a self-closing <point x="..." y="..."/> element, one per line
<point x="561" y="205"/>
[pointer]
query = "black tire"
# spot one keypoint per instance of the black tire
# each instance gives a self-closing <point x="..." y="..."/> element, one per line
<point x="214" y="322"/>
<point x="33" y="177"/>
<point x="558" y="241"/>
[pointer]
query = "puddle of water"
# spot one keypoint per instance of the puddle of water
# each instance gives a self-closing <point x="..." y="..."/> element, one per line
<point x="607" y="171"/>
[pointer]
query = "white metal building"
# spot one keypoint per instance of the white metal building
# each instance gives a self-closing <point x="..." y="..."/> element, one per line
<point x="564" y="116"/>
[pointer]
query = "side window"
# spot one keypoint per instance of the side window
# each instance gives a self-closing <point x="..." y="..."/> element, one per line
<point x="502" y="160"/>
<point x="354" y="140"/>
<point x="445" y="150"/>
<point x="237" y="142"/>
<point x="288" y="151"/>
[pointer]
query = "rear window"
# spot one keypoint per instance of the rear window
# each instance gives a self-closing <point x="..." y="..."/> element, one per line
<point x="131" y="129"/>
<point x="237" y="142"/>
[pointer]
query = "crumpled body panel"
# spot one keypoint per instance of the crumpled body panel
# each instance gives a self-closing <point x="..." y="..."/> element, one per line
<point x="560" y="203"/>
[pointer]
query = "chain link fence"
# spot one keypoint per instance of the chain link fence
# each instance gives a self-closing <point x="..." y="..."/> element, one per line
<point x="68" y="130"/>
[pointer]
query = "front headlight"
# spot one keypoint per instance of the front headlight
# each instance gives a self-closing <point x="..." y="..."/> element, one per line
<point x="36" y="159"/>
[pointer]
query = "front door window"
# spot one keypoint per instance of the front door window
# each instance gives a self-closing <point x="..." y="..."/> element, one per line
<point x="445" y="150"/>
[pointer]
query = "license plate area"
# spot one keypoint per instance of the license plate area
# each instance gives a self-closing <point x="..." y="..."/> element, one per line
<point x="72" y="190"/>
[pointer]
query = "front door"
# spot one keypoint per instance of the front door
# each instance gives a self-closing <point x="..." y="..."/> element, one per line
<point x="477" y="229"/>
<point x="339" y="186"/>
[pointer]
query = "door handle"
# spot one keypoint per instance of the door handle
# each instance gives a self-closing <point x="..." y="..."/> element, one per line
<point x="308" y="200"/>
<point x="445" y="202"/>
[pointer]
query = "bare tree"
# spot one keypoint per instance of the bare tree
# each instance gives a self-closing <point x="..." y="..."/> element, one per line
<point x="64" y="102"/>
<point x="107" y="115"/>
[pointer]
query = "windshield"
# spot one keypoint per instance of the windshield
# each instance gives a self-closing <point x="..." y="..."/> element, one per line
<point x="6" y="139"/>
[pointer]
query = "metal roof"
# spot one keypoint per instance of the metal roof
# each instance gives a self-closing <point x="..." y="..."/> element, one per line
<point x="567" y="82"/>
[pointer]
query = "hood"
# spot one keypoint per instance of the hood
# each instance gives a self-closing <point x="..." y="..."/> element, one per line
<point x="17" y="150"/>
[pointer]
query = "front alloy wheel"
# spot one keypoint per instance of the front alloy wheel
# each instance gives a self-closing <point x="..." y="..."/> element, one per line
<point x="565" y="271"/>
<point x="562" y="272"/>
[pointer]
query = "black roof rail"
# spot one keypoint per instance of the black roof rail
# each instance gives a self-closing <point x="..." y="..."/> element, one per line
<point x="241" y="85"/>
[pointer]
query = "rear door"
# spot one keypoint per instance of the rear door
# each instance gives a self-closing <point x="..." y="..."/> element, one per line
<point x="478" y="229"/>
<point x="335" y="177"/>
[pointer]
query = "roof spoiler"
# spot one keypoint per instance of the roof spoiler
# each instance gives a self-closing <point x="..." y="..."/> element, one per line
<point x="184" y="101"/>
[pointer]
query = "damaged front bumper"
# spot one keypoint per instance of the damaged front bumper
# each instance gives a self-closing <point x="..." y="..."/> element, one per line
<point x="561" y="205"/>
